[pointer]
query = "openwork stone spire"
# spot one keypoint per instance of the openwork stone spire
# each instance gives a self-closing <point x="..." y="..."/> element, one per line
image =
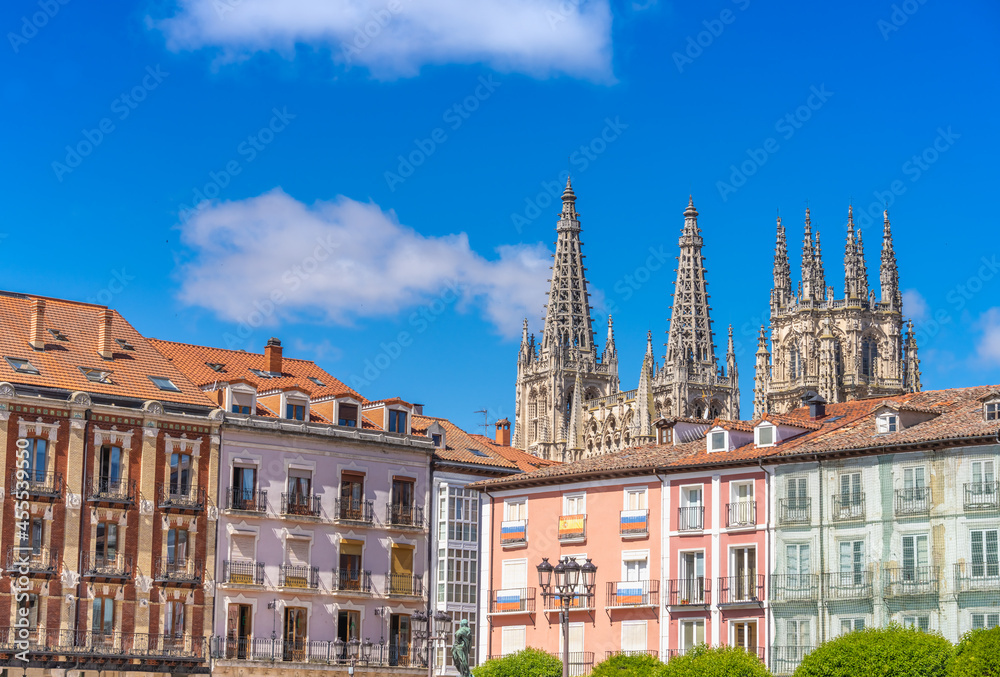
<point x="813" y="282"/>
<point x="889" y="273"/>
<point x="781" y="293"/>
<point x="690" y="326"/>
<point x="567" y="318"/>
<point x="855" y="270"/>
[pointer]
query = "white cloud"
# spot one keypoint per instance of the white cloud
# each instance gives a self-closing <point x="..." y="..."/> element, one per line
<point x="394" y="38"/>
<point x="915" y="305"/>
<point x="271" y="258"/>
<point x="988" y="346"/>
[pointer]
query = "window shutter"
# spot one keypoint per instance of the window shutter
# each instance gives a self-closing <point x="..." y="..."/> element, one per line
<point x="242" y="548"/>
<point x="298" y="551"/>
<point x="633" y="635"/>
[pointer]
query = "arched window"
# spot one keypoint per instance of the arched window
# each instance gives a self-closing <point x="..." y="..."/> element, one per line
<point x="794" y="362"/>
<point x="532" y="417"/>
<point x="715" y="411"/>
<point x="869" y="356"/>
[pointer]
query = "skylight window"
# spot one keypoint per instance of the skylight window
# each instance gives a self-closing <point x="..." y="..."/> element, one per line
<point x="263" y="374"/>
<point x="21" y="366"/>
<point x="96" y="375"/>
<point x="58" y="335"/>
<point x="215" y="366"/>
<point x="316" y="381"/>
<point x="125" y="345"/>
<point x="164" y="384"/>
<point x="476" y="452"/>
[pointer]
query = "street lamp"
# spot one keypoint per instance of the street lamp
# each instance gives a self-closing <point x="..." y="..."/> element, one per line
<point x="423" y="629"/>
<point x="567" y="574"/>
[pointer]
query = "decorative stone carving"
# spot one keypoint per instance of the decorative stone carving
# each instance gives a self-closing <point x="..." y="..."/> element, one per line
<point x="73" y="501"/>
<point x="81" y="399"/>
<point x="213" y="513"/>
<point x="69" y="579"/>
<point x="77" y="424"/>
<point x="153" y="407"/>
<point x="38" y="428"/>
<point x="145" y="507"/>
<point x="183" y="445"/>
<point x="6" y="390"/>
<point x="209" y="587"/>
<point x="150" y="432"/>
<point x="217" y="415"/>
<point x="113" y="436"/>
<point x="144" y="583"/>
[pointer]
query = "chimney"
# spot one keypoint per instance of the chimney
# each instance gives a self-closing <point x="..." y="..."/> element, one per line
<point x="816" y="404"/>
<point x="104" y="334"/>
<point x="37" y="340"/>
<point x="272" y="355"/>
<point x="503" y="432"/>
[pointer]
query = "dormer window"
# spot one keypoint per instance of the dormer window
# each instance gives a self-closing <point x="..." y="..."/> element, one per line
<point x="764" y="435"/>
<point x="666" y="435"/>
<point x="242" y="400"/>
<point x="887" y="423"/>
<point x="992" y="411"/>
<point x="717" y="440"/>
<point x="347" y="415"/>
<point x="397" y="421"/>
<point x="295" y="412"/>
<point x="437" y="440"/>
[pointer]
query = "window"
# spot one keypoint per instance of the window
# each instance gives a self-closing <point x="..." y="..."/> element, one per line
<point x="295" y="634"/>
<point x="463" y="515"/>
<point x="300" y="501"/>
<point x="461" y="574"/>
<point x="515" y="510"/>
<point x="241" y="409"/>
<point x="717" y="440"/>
<point x="514" y="574"/>
<point x="869" y="357"/>
<point x="96" y="375"/>
<point x="797" y="633"/>
<point x="692" y="512"/>
<point x="887" y="423"/>
<point x="666" y="435"/>
<point x="109" y="468"/>
<point x="174" y="620"/>
<point x="512" y="639"/>
<point x="402" y="492"/>
<point x="765" y="435"/>
<point x="985" y="560"/>
<point x="635" y="566"/>
<point x="316" y="381"/>
<point x="58" y="335"/>
<point x="635" y="499"/>
<point x="352" y="496"/>
<point x="919" y="622"/>
<point x="244" y="488"/>
<point x="576" y="659"/>
<point x="164" y="384"/>
<point x="985" y="621"/>
<point x="180" y="474"/>
<point x="106" y="543"/>
<point x="574" y="504"/>
<point x="124" y="345"/>
<point x="28" y="608"/>
<point x="691" y="572"/>
<point x="36" y="535"/>
<point x="982" y="477"/>
<point x="992" y="410"/>
<point x="915" y="557"/>
<point x="742" y="491"/>
<point x="37" y="459"/>
<point x="397" y="421"/>
<point x="850" y="502"/>
<point x="177" y="545"/>
<point x="794" y="362"/>
<point x="262" y="374"/>
<point x="633" y="636"/>
<point x="296" y="412"/>
<point x="745" y="635"/>
<point x="692" y="634"/>
<point x="103" y="617"/>
<point x="797" y="565"/>
<point x="797" y="501"/>
<point x="21" y="366"/>
<point x="852" y="563"/>
<point x="347" y="415"/>
<point x="216" y="366"/>
<point x="348" y="627"/>
<point x="851" y="625"/>
<point x="437" y="440"/>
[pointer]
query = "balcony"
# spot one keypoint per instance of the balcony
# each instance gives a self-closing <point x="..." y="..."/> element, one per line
<point x="794" y="588"/>
<point x="404" y="585"/>
<point x="300" y="505"/>
<point x="313" y="652"/>
<point x="247" y="500"/>
<point x="298" y="576"/>
<point x="785" y="659"/>
<point x="581" y="602"/>
<point x="355" y="512"/>
<point x="242" y="572"/>
<point x="691" y="518"/>
<point x="405" y="516"/>
<point x="741" y="514"/>
<point x="44" y="485"/>
<point x="117" y="493"/>
<point x="848" y="586"/>
<point x="512" y="601"/>
<point x="912" y="502"/>
<point x="977" y="577"/>
<point x="745" y="589"/>
<point x="848" y="507"/>
<point x="175" y="498"/>
<point x="572" y="528"/>
<point x="513" y="533"/>
<point x="911" y="581"/>
<point x="24" y="561"/>
<point x="352" y="581"/>
<point x="982" y="496"/>
<point x="179" y="572"/>
<point x="695" y="591"/>
<point x="634" y="523"/>
<point x="110" y="568"/>
<point x="629" y="594"/>
<point x="77" y="644"/>
<point x="794" y="511"/>
<point x="580" y="662"/>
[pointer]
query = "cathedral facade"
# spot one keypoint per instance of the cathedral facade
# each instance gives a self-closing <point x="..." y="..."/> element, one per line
<point x="568" y="402"/>
<point x="843" y="349"/>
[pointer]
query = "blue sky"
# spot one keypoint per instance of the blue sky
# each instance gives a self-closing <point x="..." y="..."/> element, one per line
<point x="356" y="189"/>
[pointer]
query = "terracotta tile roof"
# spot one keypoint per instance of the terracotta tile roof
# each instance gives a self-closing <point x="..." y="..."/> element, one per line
<point x="193" y="360"/>
<point x="796" y="422"/>
<point x="460" y="446"/>
<point x="525" y="461"/>
<point x="742" y="426"/>
<point x="59" y="363"/>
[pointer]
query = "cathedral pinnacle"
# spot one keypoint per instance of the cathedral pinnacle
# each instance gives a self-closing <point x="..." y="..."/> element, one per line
<point x="889" y="272"/>
<point x="782" y="290"/>
<point x="855" y="270"/>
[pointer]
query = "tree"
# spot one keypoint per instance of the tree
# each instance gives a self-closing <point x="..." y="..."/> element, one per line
<point x="722" y="661"/>
<point x="527" y="663"/>
<point x="893" y="651"/>
<point x="978" y="654"/>
<point x="622" y="665"/>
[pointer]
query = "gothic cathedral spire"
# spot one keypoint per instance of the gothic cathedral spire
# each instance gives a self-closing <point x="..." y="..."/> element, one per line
<point x="781" y="293"/>
<point x="889" y="273"/>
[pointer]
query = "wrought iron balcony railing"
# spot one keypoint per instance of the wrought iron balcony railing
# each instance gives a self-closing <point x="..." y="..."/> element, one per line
<point x="349" y="510"/>
<point x="633" y="594"/>
<point x="794" y="510"/>
<point x="404" y="585"/>
<point x="903" y="581"/>
<point x="848" y="585"/>
<point x="742" y="589"/>
<point x="175" y="571"/>
<point x="314" y="652"/>
<point x="404" y="515"/>
<point x="243" y="572"/>
<point x="977" y="576"/>
<point x="982" y="496"/>
<point x="580" y="662"/>
<point x="107" y="567"/>
<point x="76" y="644"/>
<point x="696" y="591"/>
<point x="512" y="601"/>
<point x="691" y="518"/>
<point x="26" y="561"/>
<point x="553" y="602"/>
<point x="916" y="501"/>
<point x="298" y="576"/>
<point x="848" y="507"/>
<point x="178" y="497"/>
<point x="352" y="580"/>
<point x="246" y="500"/>
<point x="111" y="491"/>
<point x="741" y="514"/>
<point x="632" y="652"/>
<point x="38" y="484"/>
<point x="794" y="588"/>
<point x="300" y="505"/>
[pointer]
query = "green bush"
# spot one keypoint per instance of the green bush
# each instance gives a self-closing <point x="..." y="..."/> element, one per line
<point x="722" y="661"/>
<point x="527" y="663"/>
<point x="978" y="654"/>
<point x="628" y="666"/>
<point x="893" y="651"/>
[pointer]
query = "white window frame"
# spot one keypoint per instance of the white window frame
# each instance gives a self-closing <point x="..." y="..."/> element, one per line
<point x="680" y="563"/>
<point x="774" y="435"/>
<point x="680" y="632"/>
<point x="685" y="503"/>
<point x="643" y="491"/>
<point x="505" y="632"/>
<point x="986" y="614"/>
<point x="853" y="621"/>
<point x="991" y="410"/>
<point x="515" y="501"/>
<point x="504" y="564"/>
<point x="571" y="496"/>
<point x="711" y="437"/>
<point x="734" y="498"/>
<point x="912" y="620"/>
<point x="887" y="423"/>
<point x="635" y="556"/>
<point x="645" y="634"/>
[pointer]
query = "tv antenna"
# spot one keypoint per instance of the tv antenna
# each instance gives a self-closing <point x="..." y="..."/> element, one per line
<point x="486" y="420"/>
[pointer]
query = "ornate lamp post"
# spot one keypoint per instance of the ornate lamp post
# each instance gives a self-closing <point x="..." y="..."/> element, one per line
<point x="424" y="625"/>
<point x="566" y="587"/>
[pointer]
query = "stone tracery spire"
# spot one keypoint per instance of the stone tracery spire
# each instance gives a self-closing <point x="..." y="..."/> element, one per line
<point x="781" y="293"/>
<point x="855" y="270"/>
<point x="690" y="324"/>
<point x="889" y="272"/>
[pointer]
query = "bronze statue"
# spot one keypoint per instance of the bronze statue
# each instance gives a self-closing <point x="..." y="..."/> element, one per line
<point x="462" y="648"/>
